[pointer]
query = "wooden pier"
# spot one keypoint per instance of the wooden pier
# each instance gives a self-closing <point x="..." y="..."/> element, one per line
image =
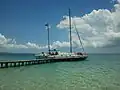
<point x="18" y="63"/>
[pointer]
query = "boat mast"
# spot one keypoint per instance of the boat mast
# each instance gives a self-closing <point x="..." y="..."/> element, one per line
<point x="47" y="27"/>
<point x="70" y="31"/>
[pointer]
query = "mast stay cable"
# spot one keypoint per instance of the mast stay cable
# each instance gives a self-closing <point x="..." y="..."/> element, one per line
<point x="78" y="35"/>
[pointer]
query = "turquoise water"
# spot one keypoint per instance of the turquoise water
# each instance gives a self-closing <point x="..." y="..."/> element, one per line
<point x="17" y="56"/>
<point x="98" y="72"/>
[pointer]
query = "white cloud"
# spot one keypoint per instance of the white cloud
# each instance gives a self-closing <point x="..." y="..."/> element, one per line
<point x="100" y="28"/>
<point x="118" y="1"/>
<point x="112" y="1"/>
<point x="3" y="40"/>
<point x="11" y="43"/>
<point x="33" y="45"/>
<point x="58" y="44"/>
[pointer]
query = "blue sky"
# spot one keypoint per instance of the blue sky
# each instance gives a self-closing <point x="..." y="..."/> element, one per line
<point x="23" y="20"/>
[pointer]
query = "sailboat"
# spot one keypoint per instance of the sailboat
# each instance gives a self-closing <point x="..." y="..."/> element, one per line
<point x="62" y="56"/>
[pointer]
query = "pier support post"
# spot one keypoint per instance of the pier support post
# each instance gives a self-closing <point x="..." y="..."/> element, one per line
<point x="6" y="65"/>
<point x="15" y="64"/>
<point x="10" y="64"/>
<point x="22" y="63"/>
<point x="18" y="64"/>
<point x="34" y="62"/>
<point x="29" y="62"/>
<point x="38" y="62"/>
<point x="25" y="63"/>
<point x="1" y="65"/>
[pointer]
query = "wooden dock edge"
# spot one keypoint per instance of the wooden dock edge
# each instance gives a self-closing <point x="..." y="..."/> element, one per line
<point x="18" y="63"/>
